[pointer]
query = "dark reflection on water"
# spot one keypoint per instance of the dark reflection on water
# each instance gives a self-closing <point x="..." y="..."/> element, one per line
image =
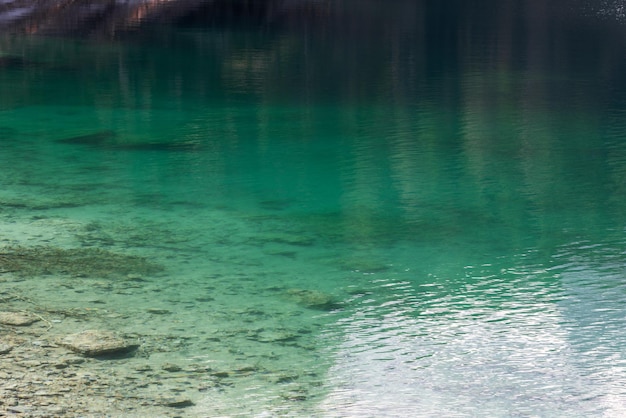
<point x="371" y="52"/>
<point x="460" y="165"/>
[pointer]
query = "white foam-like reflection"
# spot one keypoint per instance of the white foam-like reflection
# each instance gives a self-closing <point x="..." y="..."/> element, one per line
<point x="615" y="9"/>
<point x="609" y="9"/>
<point x="469" y="358"/>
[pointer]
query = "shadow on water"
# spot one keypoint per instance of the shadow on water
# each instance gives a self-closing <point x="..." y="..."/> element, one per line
<point x="96" y="139"/>
<point x="106" y="141"/>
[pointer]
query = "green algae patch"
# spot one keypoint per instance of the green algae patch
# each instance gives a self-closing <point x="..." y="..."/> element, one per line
<point x="76" y="262"/>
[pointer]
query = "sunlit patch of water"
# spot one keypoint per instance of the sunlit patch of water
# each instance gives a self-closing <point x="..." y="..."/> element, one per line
<point x="505" y="343"/>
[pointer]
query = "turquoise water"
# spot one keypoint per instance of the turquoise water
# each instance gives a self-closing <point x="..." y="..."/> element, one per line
<point x="410" y="226"/>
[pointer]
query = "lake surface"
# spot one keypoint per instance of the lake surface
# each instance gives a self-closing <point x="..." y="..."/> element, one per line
<point x="356" y="211"/>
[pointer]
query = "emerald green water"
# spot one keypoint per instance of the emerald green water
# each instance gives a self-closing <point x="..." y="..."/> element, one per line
<point x="410" y="225"/>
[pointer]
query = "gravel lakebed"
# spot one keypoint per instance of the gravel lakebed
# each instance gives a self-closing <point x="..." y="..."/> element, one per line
<point x="90" y="373"/>
<point x="105" y="331"/>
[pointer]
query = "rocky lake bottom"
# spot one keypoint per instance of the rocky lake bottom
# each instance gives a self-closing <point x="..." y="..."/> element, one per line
<point x="92" y="331"/>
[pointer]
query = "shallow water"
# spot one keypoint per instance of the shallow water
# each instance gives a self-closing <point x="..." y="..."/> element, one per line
<point x="405" y="214"/>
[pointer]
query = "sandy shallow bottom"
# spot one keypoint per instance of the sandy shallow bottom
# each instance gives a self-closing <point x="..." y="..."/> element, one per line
<point x="203" y="350"/>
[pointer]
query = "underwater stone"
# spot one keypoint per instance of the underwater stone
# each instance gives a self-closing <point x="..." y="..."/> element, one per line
<point x="157" y="311"/>
<point x="5" y="348"/>
<point x="288" y="239"/>
<point x="177" y="402"/>
<point x="94" y="343"/>
<point x="17" y="318"/>
<point x="135" y="278"/>
<point x="286" y="378"/>
<point x="143" y="368"/>
<point x="77" y="262"/>
<point x="312" y="299"/>
<point x="169" y="367"/>
<point x="278" y="336"/>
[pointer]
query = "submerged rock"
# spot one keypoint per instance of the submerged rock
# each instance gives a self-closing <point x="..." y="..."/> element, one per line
<point x="312" y="299"/>
<point x="177" y="402"/>
<point x="157" y="311"/>
<point x="77" y="262"/>
<point x="293" y="239"/>
<point x="169" y="367"/>
<point x="17" y="318"/>
<point x="94" y="343"/>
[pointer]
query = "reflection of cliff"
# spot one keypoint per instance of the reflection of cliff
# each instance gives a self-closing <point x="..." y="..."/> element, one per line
<point x="537" y="117"/>
<point x="94" y="18"/>
<point x="448" y="78"/>
<point x="335" y="48"/>
<point x="320" y="50"/>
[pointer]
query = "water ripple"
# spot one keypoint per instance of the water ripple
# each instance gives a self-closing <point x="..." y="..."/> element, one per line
<point x="516" y="342"/>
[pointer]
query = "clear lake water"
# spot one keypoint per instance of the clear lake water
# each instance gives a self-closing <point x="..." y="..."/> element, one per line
<point x="388" y="213"/>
